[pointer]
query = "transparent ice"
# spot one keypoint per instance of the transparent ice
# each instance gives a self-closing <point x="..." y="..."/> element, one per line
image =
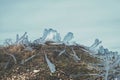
<point x="75" y="57"/>
<point x="68" y="37"/>
<point x="51" y="35"/>
<point x="50" y="64"/>
<point x="23" y="39"/>
<point x="95" y="44"/>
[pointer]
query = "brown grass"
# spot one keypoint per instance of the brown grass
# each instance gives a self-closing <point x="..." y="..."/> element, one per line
<point x="66" y="67"/>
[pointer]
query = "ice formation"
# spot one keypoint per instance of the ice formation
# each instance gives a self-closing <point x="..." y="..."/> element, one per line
<point x="95" y="44"/>
<point x="63" y="51"/>
<point x="23" y="39"/>
<point x="50" y="64"/>
<point x="75" y="57"/>
<point x="51" y="35"/>
<point x="68" y="37"/>
<point x="108" y="58"/>
<point x="8" y="42"/>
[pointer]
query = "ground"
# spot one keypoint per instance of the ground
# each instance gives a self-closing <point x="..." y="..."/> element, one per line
<point x="37" y="68"/>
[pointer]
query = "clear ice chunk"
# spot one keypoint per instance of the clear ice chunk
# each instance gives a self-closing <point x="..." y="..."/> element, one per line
<point x="95" y="44"/>
<point x="68" y="37"/>
<point x="101" y="50"/>
<point x="51" y="35"/>
<point x="23" y="39"/>
<point x="50" y="64"/>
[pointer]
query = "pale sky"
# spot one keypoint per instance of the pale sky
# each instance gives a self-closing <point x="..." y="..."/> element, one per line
<point x="87" y="19"/>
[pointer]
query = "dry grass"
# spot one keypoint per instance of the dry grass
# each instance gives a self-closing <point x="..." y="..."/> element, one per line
<point x="37" y="69"/>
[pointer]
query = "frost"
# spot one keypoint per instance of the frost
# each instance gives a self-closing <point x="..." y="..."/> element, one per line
<point x="50" y="65"/>
<point x="68" y="37"/>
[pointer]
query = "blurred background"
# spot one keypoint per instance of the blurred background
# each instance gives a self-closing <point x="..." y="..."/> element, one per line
<point x="87" y="19"/>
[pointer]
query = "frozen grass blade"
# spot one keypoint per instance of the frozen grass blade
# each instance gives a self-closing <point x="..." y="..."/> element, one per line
<point x="26" y="60"/>
<point x="15" y="61"/>
<point x="75" y="57"/>
<point x="63" y="51"/>
<point x="68" y="37"/>
<point x="95" y="44"/>
<point x="50" y="65"/>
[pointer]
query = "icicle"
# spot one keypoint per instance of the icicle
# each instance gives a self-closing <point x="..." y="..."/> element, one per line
<point x="50" y="65"/>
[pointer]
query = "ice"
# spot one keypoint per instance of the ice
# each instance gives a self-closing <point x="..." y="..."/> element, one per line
<point x="75" y="57"/>
<point x="38" y="41"/>
<point x="50" y="65"/>
<point x="8" y="42"/>
<point x="23" y="39"/>
<point x="63" y="51"/>
<point x="51" y="35"/>
<point x="68" y="37"/>
<point x="95" y="44"/>
<point x="107" y="69"/>
<point x="28" y="48"/>
<point x="110" y="60"/>
<point x="116" y="62"/>
<point x="101" y="50"/>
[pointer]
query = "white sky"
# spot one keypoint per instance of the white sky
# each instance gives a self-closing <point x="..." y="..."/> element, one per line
<point x="87" y="19"/>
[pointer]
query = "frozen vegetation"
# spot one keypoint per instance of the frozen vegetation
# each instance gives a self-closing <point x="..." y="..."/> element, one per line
<point x="109" y="60"/>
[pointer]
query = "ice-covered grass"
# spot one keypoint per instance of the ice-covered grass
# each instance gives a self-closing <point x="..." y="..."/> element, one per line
<point x="108" y="59"/>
